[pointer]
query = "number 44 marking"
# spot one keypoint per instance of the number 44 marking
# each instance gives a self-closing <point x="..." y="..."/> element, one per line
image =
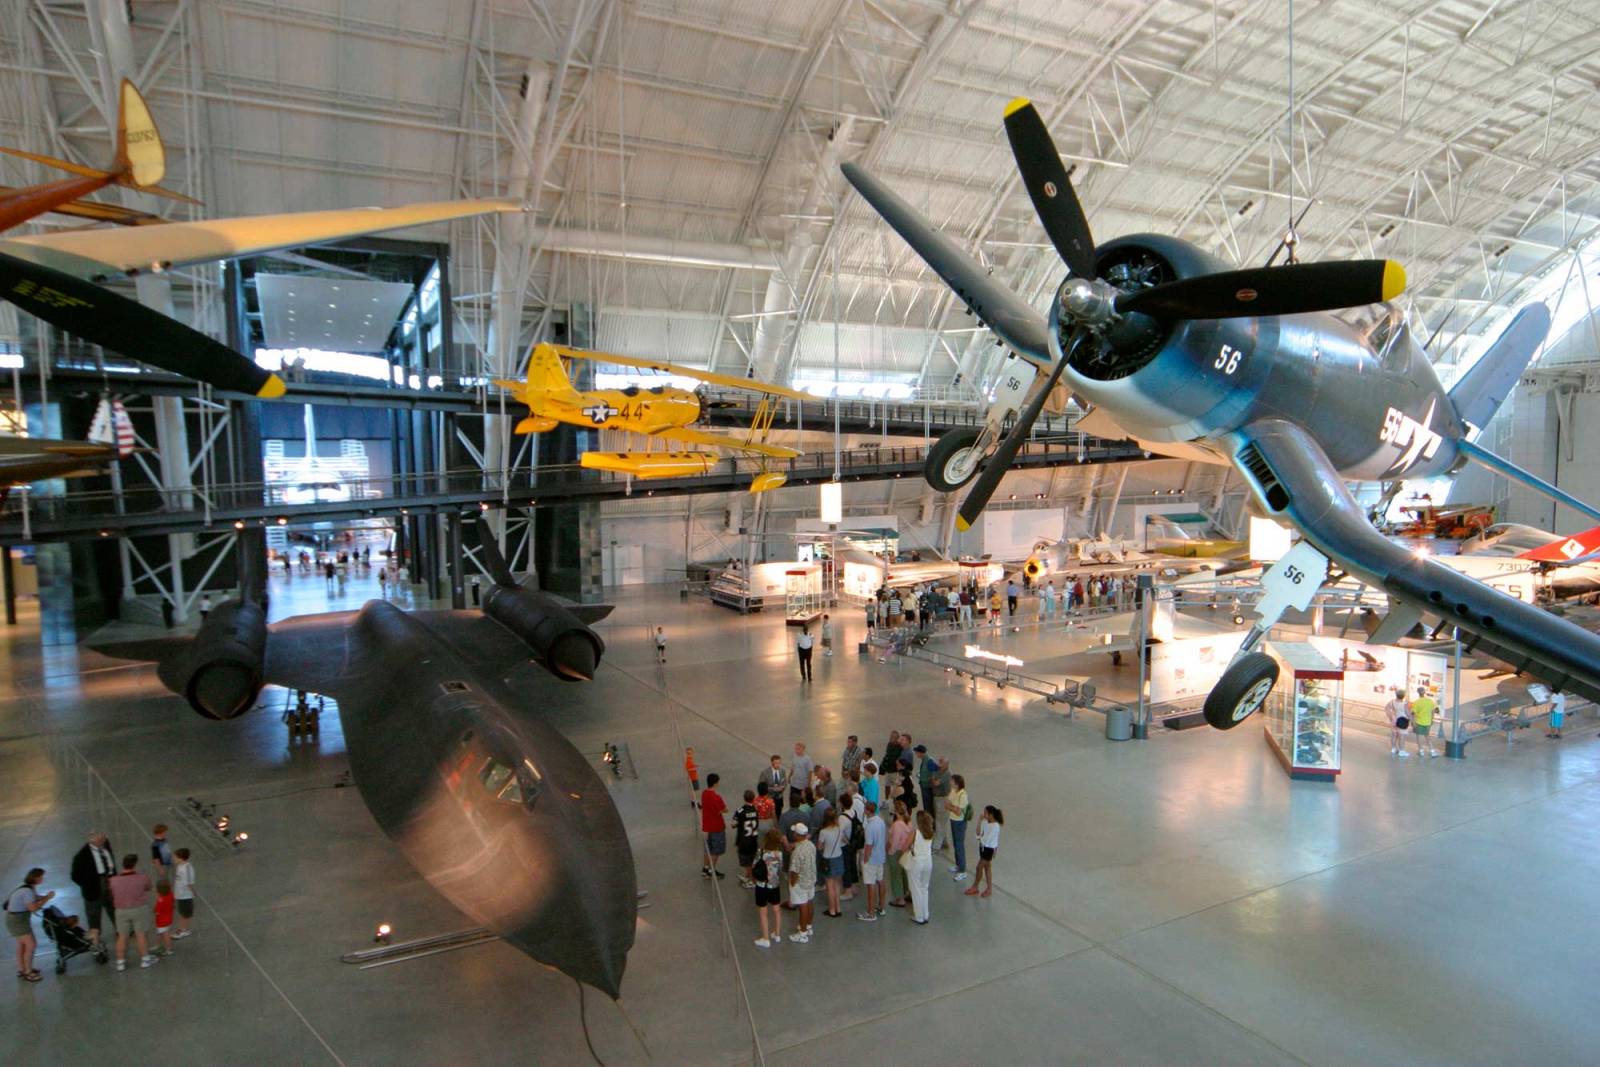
<point x="1228" y="359"/>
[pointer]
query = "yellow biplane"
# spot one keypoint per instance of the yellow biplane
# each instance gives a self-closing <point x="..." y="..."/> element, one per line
<point x="662" y="412"/>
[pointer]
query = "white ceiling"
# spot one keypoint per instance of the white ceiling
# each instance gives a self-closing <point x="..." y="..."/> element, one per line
<point x="337" y="314"/>
<point x="1459" y="136"/>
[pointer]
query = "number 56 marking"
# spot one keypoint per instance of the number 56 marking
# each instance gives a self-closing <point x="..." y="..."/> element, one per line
<point x="1228" y="359"/>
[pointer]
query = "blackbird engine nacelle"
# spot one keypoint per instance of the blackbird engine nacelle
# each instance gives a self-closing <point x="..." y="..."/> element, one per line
<point x="221" y="674"/>
<point x="561" y="642"/>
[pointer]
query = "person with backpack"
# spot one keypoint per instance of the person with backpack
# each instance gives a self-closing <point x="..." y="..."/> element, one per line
<point x="765" y="873"/>
<point x="745" y="822"/>
<point x="988" y="844"/>
<point x="20" y="906"/>
<point x="959" y="808"/>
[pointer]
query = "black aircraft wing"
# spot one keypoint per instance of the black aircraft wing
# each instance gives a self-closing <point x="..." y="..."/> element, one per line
<point x="997" y="307"/>
<point x="1295" y="479"/>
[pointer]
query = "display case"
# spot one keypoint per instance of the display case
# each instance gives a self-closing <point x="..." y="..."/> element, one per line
<point x="1305" y="711"/>
<point x="803" y="599"/>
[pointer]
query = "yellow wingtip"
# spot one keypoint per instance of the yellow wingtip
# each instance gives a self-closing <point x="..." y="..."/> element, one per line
<point x="962" y="524"/>
<point x="1394" y="279"/>
<point x="1017" y="105"/>
<point x="272" y="389"/>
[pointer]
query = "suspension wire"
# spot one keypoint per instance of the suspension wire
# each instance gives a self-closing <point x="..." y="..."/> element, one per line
<point x="1289" y="236"/>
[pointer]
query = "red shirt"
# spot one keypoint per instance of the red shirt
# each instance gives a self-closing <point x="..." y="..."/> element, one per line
<point x="765" y="808"/>
<point x="711" y="808"/>
<point x="164" y="910"/>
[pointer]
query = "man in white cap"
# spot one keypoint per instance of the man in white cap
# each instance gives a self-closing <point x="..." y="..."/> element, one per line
<point x="802" y="879"/>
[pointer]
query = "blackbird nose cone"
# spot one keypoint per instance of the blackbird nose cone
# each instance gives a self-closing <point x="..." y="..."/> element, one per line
<point x="574" y="657"/>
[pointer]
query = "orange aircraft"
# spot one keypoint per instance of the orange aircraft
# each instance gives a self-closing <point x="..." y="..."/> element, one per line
<point x="139" y="162"/>
<point x="662" y="412"/>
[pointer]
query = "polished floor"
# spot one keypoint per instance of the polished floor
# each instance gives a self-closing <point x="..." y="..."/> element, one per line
<point x="1169" y="901"/>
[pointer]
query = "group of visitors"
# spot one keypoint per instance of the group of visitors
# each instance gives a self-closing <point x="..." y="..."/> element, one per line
<point x="141" y="907"/>
<point x="1414" y="717"/>
<point x="926" y="607"/>
<point x="868" y="832"/>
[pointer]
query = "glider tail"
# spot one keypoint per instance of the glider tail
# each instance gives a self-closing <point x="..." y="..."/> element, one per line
<point x="1566" y="549"/>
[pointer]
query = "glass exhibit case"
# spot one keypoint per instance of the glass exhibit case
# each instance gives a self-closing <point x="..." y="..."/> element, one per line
<point x="1304" y="713"/>
<point x="803" y="598"/>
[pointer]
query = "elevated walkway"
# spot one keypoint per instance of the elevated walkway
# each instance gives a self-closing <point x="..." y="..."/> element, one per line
<point x="145" y="511"/>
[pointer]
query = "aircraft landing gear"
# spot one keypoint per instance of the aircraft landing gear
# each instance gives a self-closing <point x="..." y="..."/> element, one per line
<point x="954" y="459"/>
<point x="303" y="719"/>
<point x="1241" y="690"/>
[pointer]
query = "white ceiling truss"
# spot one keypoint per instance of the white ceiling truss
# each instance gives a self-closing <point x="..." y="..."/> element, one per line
<point x="681" y="161"/>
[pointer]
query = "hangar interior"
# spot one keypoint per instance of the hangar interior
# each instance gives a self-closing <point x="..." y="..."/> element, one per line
<point x="673" y="175"/>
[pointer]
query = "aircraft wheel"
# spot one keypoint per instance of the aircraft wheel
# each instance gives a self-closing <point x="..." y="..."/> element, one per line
<point x="1242" y="689"/>
<point x="952" y="461"/>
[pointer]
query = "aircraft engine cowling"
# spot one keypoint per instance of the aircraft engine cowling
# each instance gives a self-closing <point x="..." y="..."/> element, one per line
<point x="222" y="674"/>
<point x="560" y="641"/>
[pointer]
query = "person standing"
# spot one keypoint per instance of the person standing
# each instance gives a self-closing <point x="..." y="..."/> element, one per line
<point x="800" y="769"/>
<point x="1012" y="593"/>
<point x="900" y="832"/>
<point x="870" y="783"/>
<point x="130" y="895"/>
<point x="925" y="768"/>
<point x="383" y="583"/>
<point x="994" y="607"/>
<point x="891" y="753"/>
<point x="966" y="608"/>
<point x="872" y="614"/>
<point x="92" y="868"/>
<point x="160" y="850"/>
<point x="776" y="779"/>
<point x="1049" y="600"/>
<point x="766" y="871"/>
<point x="941" y="793"/>
<point x="827" y="635"/>
<point x="1398" y="713"/>
<point x="1422" y="710"/>
<point x="830" y="845"/>
<point x="166" y="904"/>
<point x="746" y="821"/>
<point x="896" y="610"/>
<point x="712" y="807"/>
<point x="802" y="880"/>
<point x="661" y="645"/>
<point x="920" y="866"/>
<point x="988" y="844"/>
<point x="850" y="759"/>
<point x="20" y="906"/>
<point x="803" y="645"/>
<point x="183" y="892"/>
<point x="1558" y="714"/>
<point x="691" y="770"/>
<point x="959" y="808"/>
<point x="875" y="838"/>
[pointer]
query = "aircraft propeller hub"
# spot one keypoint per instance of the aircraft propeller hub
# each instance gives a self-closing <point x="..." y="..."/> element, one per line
<point x="1089" y="301"/>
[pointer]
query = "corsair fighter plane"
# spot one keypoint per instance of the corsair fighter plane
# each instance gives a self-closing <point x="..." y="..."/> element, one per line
<point x="1245" y="367"/>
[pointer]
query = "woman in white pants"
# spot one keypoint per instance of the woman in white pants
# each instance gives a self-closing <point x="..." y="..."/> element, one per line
<point x="921" y="867"/>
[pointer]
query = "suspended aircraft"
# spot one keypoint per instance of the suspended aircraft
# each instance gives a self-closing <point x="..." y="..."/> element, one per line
<point x="498" y="811"/>
<point x="138" y="162"/>
<point x="1171" y="348"/>
<point x="663" y="412"/>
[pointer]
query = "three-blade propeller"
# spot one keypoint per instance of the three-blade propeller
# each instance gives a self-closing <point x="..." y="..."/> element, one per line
<point x="1287" y="290"/>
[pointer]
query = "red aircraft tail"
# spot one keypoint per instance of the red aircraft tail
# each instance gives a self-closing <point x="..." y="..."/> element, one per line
<point x="1563" y="549"/>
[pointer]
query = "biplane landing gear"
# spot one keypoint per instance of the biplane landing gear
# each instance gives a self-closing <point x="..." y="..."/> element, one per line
<point x="303" y="718"/>
<point x="954" y="459"/>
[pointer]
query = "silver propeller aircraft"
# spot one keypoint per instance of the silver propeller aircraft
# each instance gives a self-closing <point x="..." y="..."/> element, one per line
<point x="1246" y="367"/>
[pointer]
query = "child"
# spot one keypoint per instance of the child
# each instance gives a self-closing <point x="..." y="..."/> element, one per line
<point x="160" y="851"/>
<point x="164" y="905"/>
<point x="183" y="891"/>
<point x="827" y="636"/>
<point x="661" y="645"/>
<point x="988" y="844"/>
<point x="691" y="770"/>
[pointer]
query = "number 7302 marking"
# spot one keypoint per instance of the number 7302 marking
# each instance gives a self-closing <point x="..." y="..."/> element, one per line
<point x="1228" y="359"/>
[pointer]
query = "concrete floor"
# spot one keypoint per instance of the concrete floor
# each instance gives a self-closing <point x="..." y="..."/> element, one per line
<point x="1170" y="901"/>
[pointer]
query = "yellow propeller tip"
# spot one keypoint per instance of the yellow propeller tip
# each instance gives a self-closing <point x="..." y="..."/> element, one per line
<point x="962" y="524"/>
<point x="1394" y="279"/>
<point x="1017" y="105"/>
<point x="272" y="389"/>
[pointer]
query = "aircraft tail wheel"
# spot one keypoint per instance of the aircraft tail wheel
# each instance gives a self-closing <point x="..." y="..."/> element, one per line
<point x="1241" y="690"/>
<point x="952" y="461"/>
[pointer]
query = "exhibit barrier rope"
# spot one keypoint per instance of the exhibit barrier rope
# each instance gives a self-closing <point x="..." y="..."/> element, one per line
<point x="716" y="884"/>
<point x="62" y="745"/>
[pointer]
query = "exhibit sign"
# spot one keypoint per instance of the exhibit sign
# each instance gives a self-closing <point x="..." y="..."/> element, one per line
<point x="1189" y="667"/>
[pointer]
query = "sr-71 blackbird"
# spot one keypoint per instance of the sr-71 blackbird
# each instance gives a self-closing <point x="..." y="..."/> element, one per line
<point x="1244" y="367"/>
<point x="498" y="811"/>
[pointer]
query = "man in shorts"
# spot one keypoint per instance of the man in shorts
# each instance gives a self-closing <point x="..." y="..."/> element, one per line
<point x="802" y="880"/>
<point x="712" y="807"/>
<point x="872" y="859"/>
<point x="130" y="896"/>
<point x="1422" y="710"/>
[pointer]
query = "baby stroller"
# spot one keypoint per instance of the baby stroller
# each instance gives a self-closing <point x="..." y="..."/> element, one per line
<point x="70" y="938"/>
